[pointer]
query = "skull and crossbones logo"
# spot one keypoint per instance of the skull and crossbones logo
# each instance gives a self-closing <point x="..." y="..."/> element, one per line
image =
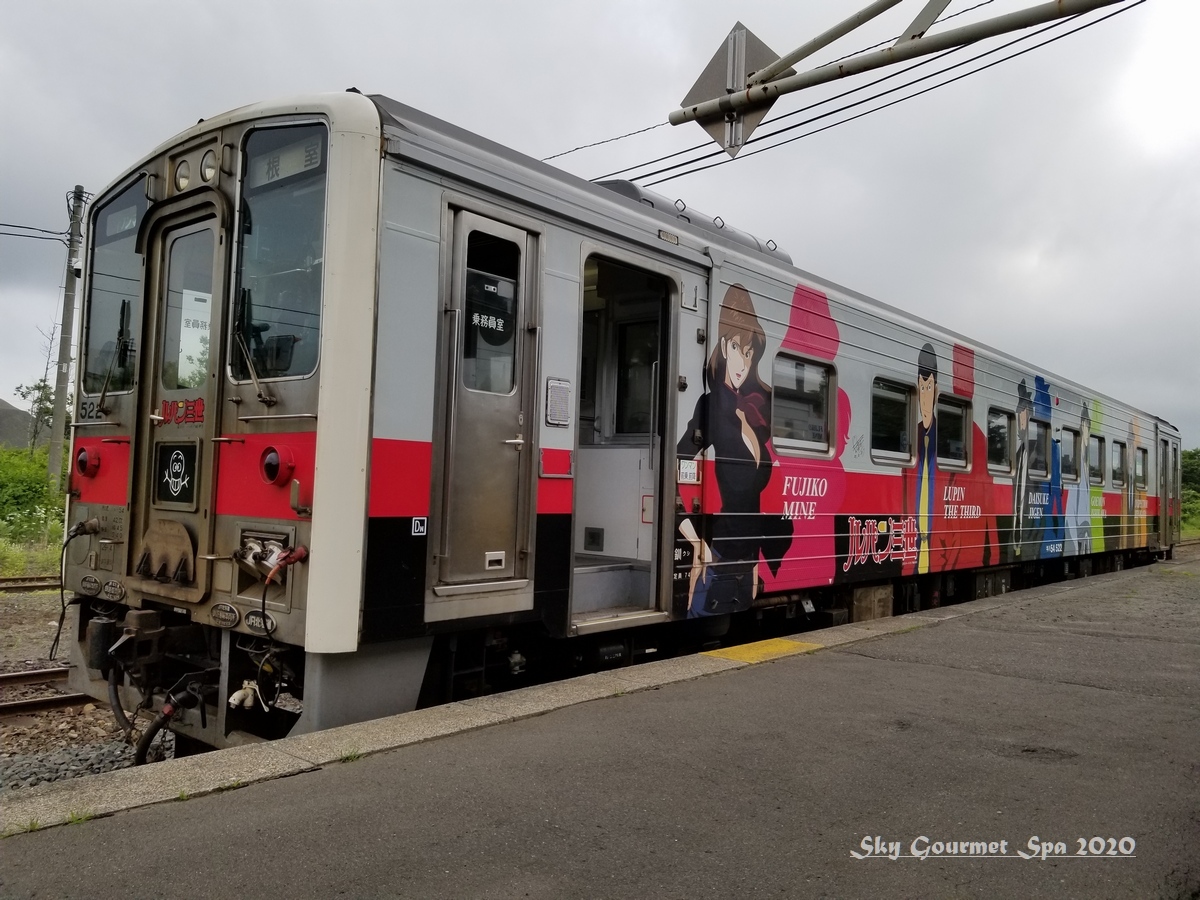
<point x="175" y="476"/>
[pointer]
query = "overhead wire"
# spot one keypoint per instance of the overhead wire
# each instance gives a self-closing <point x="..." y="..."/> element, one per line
<point x="862" y="87"/>
<point x="846" y="93"/>
<point x="35" y="237"/>
<point x="31" y="228"/>
<point x="1058" y="24"/>
<point x="619" y="137"/>
<point x="638" y="131"/>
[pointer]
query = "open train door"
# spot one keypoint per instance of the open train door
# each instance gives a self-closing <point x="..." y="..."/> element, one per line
<point x="483" y="526"/>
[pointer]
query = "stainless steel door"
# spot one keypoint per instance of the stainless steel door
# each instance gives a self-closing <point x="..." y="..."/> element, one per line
<point x="172" y="522"/>
<point x="489" y="432"/>
<point x="1164" y="493"/>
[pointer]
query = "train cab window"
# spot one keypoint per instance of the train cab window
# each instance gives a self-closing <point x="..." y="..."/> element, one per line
<point x="114" y="308"/>
<point x="1038" y="444"/>
<point x="1141" y="467"/>
<point x="891" y="421"/>
<point x="489" y="347"/>
<point x="800" y="404"/>
<point x="999" y="438"/>
<point x="1069" y="445"/>
<point x="277" y="311"/>
<point x="1118" y="464"/>
<point x="1096" y="460"/>
<point x="953" y="427"/>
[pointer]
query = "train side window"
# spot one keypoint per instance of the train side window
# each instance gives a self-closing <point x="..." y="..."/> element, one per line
<point x="953" y="428"/>
<point x="999" y="436"/>
<point x="489" y="346"/>
<point x="1141" y="466"/>
<point x="1069" y="449"/>
<point x="800" y="410"/>
<point x="1038" y="444"/>
<point x="891" y="422"/>
<point x="1118" y="464"/>
<point x="1096" y="460"/>
<point x="637" y="352"/>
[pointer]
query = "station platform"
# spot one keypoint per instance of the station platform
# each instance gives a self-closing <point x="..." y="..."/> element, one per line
<point x="1041" y="744"/>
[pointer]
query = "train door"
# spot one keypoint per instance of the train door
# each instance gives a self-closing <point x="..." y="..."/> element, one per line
<point x="1165" y="492"/>
<point x="172" y="521"/>
<point x="625" y="366"/>
<point x="1176" y="495"/>
<point x="489" y="432"/>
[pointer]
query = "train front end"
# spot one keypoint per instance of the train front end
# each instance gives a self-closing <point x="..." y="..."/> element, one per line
<point x="223" y="393"/>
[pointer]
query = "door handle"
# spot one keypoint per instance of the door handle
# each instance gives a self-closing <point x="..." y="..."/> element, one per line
<point x="518" y="442"/>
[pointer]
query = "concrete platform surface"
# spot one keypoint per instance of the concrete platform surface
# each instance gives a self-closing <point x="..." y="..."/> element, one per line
<point x="926" y="755"/>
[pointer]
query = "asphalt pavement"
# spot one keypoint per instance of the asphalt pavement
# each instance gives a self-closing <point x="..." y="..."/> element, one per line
<point x="1042" y="744"/>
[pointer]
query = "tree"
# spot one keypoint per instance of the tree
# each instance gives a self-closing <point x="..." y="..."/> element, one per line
<point x="1190" y="463"/>
<point x="40" y="395"/>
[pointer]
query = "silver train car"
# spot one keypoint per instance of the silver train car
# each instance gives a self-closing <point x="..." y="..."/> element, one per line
<point x="373" y="413"/>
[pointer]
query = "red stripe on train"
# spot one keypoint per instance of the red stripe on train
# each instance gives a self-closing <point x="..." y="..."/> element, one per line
<point x="110" y="485"/>
<point x="400" y="477"/>
<point x="555" y="494"/>
<point x="241" y="490"/>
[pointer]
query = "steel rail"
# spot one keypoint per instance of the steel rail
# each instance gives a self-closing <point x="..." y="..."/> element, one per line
<point x="42" y="704"/>
<point x="33" y="676"/>
<point x="15" y="585"/>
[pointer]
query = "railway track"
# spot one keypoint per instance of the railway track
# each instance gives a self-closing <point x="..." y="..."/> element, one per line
<point x="23" y="584"/>
<point x="27" y="705"/>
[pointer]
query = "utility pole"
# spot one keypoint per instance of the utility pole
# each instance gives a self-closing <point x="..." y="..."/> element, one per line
<point x="58" y="426"/>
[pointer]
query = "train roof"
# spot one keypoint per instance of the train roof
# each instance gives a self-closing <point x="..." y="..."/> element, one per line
<point x="398" y="115"/>
<point x="404" y="124"/>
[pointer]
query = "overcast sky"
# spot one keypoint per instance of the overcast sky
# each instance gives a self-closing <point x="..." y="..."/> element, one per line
<point x="1049" y="207"/>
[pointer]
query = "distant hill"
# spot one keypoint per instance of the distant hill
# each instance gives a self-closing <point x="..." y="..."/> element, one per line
<point x="14" y="426"/>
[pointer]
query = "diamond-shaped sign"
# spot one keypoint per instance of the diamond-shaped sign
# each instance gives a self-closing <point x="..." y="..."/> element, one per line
<point x="739" y="55"/>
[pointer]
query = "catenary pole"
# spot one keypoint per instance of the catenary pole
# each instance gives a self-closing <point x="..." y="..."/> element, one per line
<point x="758" y="95"/>
<point x="65" y="333"/>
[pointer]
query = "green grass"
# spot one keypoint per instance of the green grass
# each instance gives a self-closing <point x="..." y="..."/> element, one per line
<point x="27" y="559"/>
<point x="351" y="756"/>
<point x="74" y="818"/>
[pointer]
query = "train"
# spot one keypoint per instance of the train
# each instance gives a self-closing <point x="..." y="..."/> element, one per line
<point x="373" y="413"/>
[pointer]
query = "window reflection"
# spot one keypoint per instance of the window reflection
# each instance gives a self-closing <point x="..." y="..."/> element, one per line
<point x="189" y="311"/>
<point x="114" y="310"/>
<point x="277" y="314"/>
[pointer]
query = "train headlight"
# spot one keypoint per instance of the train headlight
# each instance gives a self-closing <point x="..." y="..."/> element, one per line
<point x="208" y="167"/>
<point x="87" y="462"/>
<point x="276" y="465"/>
<point x="183" y="175"/>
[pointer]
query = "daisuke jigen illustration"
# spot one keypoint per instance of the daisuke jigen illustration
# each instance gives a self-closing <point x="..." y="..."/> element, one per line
<point x="734" y="418"/>
<point x="927" y="395"/>
<point x="1079" y="503"/>
<point x="1020" y="523"/>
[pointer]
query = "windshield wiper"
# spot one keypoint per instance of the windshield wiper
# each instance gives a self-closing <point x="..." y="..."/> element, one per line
<point x="264" y="396"/>
<point x="119" y="353"/>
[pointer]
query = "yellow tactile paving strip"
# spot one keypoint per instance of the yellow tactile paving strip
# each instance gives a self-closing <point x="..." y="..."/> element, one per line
<point x="762" y="651"/>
